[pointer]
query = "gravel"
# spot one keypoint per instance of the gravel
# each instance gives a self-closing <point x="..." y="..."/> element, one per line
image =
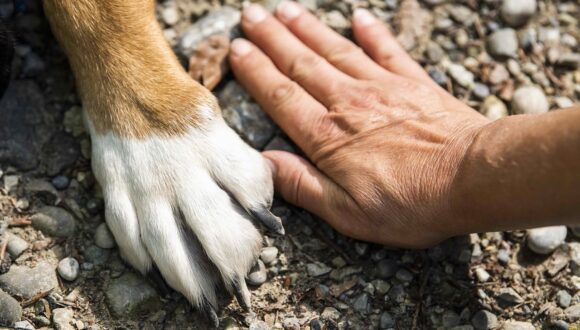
<point x="518" y="12"/>
<point x="317" y="269"/>
<point x="387" y="268"/>
<point x="16" y="246"/>
<point x="493" y="108"/>
<point x="461" y="75"/>
<point x="510" y="296"/>
<point x="68" y="269"/>
<point x="26" y="282"/>
<point x="573" y="312"/>
<point x="63" y="318"/>
<point x="361" y="303"/>
<point x="482" y="275"/>
<point x="484" y="320"/>
<point x="23" y="325"/>
<point x="529" y="100"/>
<point x="103" y="237"/>
<point x="130" y="295"/>
<point x="258" y="274"/>
<point x="503" y="43"/>
<point x="10" y="310"/>
<point x="269" y="254"/>
<point x="386" y="321"/>
<point x="54" y="221"/>
<point x="330" y="313"/>
<point x="563" y="298"/>
<point x="517" y="325"/>
<point x="545" y="240"/>
<point x="96" y="255"/>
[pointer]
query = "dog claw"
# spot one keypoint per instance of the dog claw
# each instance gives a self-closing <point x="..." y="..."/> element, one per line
<point x="155" y="276"/>
<point x="269" y="220"/>
<point x="242" y="293"/>
<point x="211" y="315"/>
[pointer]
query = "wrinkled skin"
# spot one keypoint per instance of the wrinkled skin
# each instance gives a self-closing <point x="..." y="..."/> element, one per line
<point x="383" y="141"/>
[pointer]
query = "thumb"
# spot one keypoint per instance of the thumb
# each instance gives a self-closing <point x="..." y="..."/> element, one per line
<point x="302" y="184"/>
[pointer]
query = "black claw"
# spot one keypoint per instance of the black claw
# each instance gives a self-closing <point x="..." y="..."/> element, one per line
<point x="211" y="314"/>
<point x="159" y="282"/>
<point x="269" y="220"/>
<point x="242" y="294"/>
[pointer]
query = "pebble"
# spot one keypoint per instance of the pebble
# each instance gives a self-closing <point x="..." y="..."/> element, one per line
<point x="480" y="91"/>
<point x="291" y="323"/>
<point x="439" y="77"/>
<point x="62" y="318"/>
<point x="450" y="319"/>
<point x="54" y="221"/>
<point x="518" y="12"/>
<point x="41" y="190"/>
<point x="493" y="108"/>
<point x="434" y="52"/>
<point x="482" y="275"/>
<point x="169" y="14"/>
<point x="510" y="296"/>
<point x="339" y="275"/>
<point x="221" y="21"/>
<point x="503" y="43"/>
<point x="398" y="294"/>
<point x="103" y="237"/>
<point x="11" y="182"/>
<point x="404" y="275"/>
<point x="317" y="269"/>
<point x="16" y="246"/>
<point x="563" y="102"/>
<point x="362" y="303"/>
<point x="60" y="182"/>
<point x="386" y="268"/>
<point x="131" y="295"/>
<point x="269" y="254"/>
<point x="461" y="75"/>
<point x="68" y="269"/>
<point x="96" y="255"/>
<point x="484" y="320"/>
<point x="563" y="298"/>
<point x="517" y="325"/>
<point x="386" y="321"/>
<point x="32" y="65"/>
<point x="258" y="325"/>
<point x="23" y="325"/>
<point x="574" y="252"/>
<point x="547" y="239"/>
<point x="330" y="313"/>
<point x="529" y="100"/>
<point x="569" y="61"/>
<point x="498" y="74"/>
<point x="573" y="312"/>
<point x="257" y="275"/>
<point x="10" y="311"/>
<point x="503" y="256"/>
<point x="27" y="282"/>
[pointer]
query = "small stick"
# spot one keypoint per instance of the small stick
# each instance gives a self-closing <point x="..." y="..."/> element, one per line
<point x="36" y="298"/>
<point x="3" y="248"/>
<point x="20" y="223"/>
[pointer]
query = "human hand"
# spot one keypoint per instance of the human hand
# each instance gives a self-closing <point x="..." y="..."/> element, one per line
<point x="383" y="141"/>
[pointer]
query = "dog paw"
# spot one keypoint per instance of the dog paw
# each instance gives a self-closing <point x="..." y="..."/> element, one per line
<point x="183" y="205"/>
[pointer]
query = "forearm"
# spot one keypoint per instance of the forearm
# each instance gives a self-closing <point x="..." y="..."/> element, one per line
<point x="521" y="172"/>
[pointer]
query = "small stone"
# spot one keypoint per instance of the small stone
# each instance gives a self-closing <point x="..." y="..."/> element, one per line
<point x="291" y="323"/>
<point x="517" y="325"/>
<point x="404" y="275"/>
<point x="547" y="239"/>
<point x="27" y="282"/>
<point x="484" y="320"/>
<point x="434" y="52"/>
<point x="96" y="255"/>
<point x="32" y="65"/>
<point x="398" y="294"/>
<point x="362" y="304"/>
<point x="438" y="76"/>
<point x="549" y="36"/>
<point x="23" y="325"/>
<point x="257" y="275"/>
<point x="68" y="269"/>
<point x="258" y="325"/>
<point x="461" y="75"/>
<point x="510" y="296"/>
<point x="16" y="246"/>
<point x="54" y="221"/>
<point x="11" y="182"/>
<point x="480" y="91"/>
<point x="503" y="43"/>
<point x="62" y="318"/>
<point x="330" y="313"/>
<point x="103" y="237"/>
<point x="518" y="12"/>
<point x="569" y="61"/>
<point x="317" y="269"/>
<point x="557" y="325"/>
<point x="503" y="256"/>
<point x="573" y="312"/>
<point x="498" y="74"/>
<point x="73" y="121"/>
<point x="361" y="248"/>
<point x="130" y="295"/>
<point x="529" y="100"/>
<point x="382" y="286"/>
<point x="482" y="275"/>
<point x="42" y="321"/>
<point x="60" y="182"/>
<point x="386" y="321"/>
<point x="269" y="254"/>
<point x="563" y="102"/>
<point x="339" y="275"/>
<point x="10" y="311"/>
<point x="169" y="14"/>
<point x="221" y="21"/>
<point x="450" y="319"/>
<point x="41" y="190"/>
<point x="386" y="268"/>
<point x="493" y="108"/>
<point x="563" y="298"/>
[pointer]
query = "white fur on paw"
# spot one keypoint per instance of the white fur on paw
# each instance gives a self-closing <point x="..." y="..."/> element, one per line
<point x="169" y="203"/>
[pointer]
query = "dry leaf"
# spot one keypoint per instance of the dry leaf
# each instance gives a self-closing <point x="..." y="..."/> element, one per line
<point x="207" y="65"/>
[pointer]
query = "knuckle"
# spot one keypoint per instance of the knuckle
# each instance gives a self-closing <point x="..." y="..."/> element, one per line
<point x="343" y="53"/>
<point x="385" y="56"/>
<point x="283" y="93"/>
<point x="302" y="66"/>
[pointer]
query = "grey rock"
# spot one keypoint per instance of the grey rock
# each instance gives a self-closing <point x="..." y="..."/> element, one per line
<point x="41" y="190"/>
<point x="221" y="21"/>
<point x="404" y="275"/>
<point x="480" y="91"/>
<point x="330" y="313"/>
<point x="434" y="52"/>
<point x="518" y="12"/>
<point x="41" y="321"/>
<point x="462" y="327"/>
<point x="386" y="321"/>
<point x="549" y="36"/>
<point x="339" y="275"/>
<point x="557" y="325"/>
<point x="11" y="182"/>
<point x="503" y="43"/>
<point x="529" y="100"/>
<point x="528" y="38"/>
<point x="482" y="275"/>
<point x="60" y="182"/>
<point x="16" y="246"/>
<point x="510" y="296"/>
<point x="269" y="254"/>
<point x="574" y="252"/>
<point x="10" y="311"/>
<point x="450" y="319"/>
<point x="26" y="282"/>
<point x="258" y="325"/>
<point x="362" y="304"/>
<point x="169" y="13"/>
<point x="484" y="320"/>
<point x="245" y="116"/>
<point x="461" y="75"/>
<point x="96" y="255"/>
<point x="291" y="323"/>
<point x="438" y="76"/>
<point x="503" y="256"/>
<point x="517" y="325"/>
<point x="257" y="275"/>
<point x="68" y="268"/>
<point x="130" y="295"/>
<point x="386" y="268"/>
<point x="62" y="318"/>
<point x="54" y="221"/>
<point x="569" y="61"/>
<point x="32" y="65"/>
<point x="23" y="325"/>
<point x="61" y="153"/>
<point x="563" y="298"/>
<point x="317" y="269"/>
<point x="103" y="237"/>
<point x="573" y="312"/>
<point x="398" y="294"/>
<point x="547" y="239"/>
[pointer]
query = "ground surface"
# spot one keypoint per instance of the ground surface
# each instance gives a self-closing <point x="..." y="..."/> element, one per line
<point x="316" y="278"/>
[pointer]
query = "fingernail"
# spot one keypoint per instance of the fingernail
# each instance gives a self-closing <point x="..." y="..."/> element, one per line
<point x="240" y="47"/>
<point x="255" y="13"/>
<point x="363" y="17"/>
<point x="288" y="10"/>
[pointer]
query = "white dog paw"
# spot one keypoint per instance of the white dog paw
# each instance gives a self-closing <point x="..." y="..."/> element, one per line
<point x="184" y="205"/>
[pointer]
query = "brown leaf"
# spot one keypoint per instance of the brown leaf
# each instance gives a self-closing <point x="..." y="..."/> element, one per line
<point x="208" y="64"/>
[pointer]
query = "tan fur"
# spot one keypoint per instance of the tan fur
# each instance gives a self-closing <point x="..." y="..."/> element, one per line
<point x="128" y="78"/>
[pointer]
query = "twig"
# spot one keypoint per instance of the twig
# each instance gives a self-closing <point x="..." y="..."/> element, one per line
<point x="20" y="223"/>
<point x="36" y="298"/>
<point x="3" y="248"/>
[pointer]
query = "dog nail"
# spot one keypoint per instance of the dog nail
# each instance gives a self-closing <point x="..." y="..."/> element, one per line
<point x="269" y="220"/>
<point x="363" y="17"/>
<point x="241" y="47"/>
<point x="255" y="13"/>
<point x="242" y="293"/>
<point x="287" y="10"/>
<point x="211" y="315"/>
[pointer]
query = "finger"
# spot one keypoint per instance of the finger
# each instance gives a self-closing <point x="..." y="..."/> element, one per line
<point x="340" y="52"/>
<point x="294" y="110"/>
<point x="377" y="41"/>
<point x="291" y="56"/>
<point x="303" y="185"/>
